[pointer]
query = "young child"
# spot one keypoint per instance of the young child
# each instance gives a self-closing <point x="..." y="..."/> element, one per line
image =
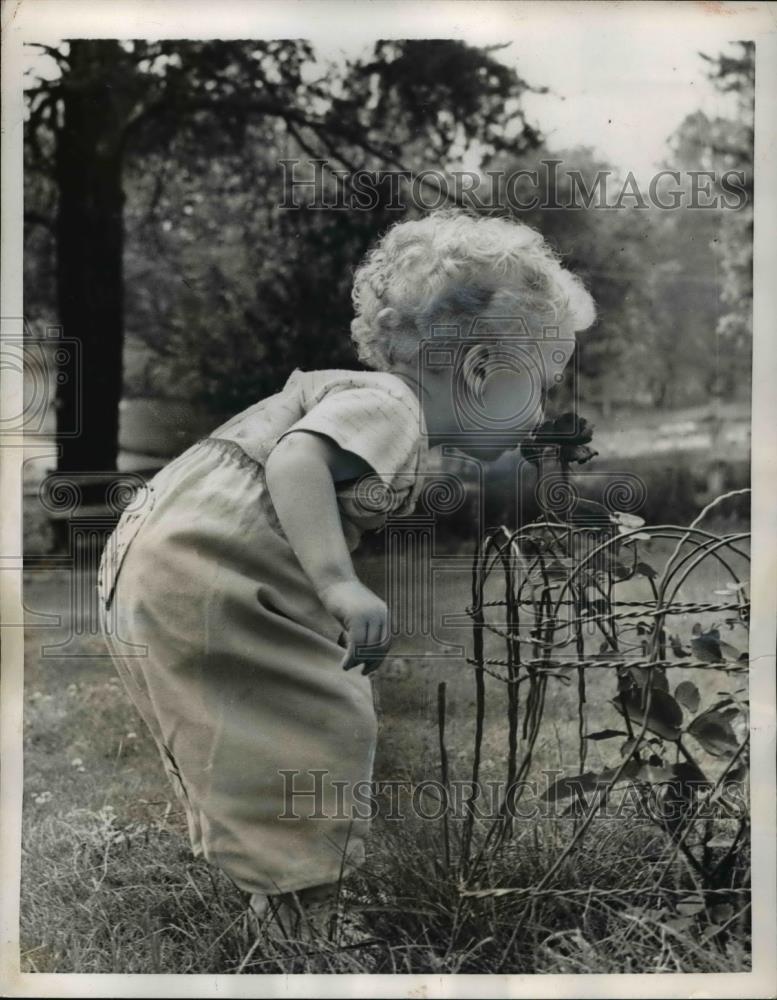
<point x="234" y="579"/>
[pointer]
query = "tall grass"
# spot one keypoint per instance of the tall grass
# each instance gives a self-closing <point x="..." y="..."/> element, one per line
<point x="105" y="897"/>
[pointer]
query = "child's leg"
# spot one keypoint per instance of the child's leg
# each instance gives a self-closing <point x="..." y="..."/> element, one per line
<point x="131" y="674"/>
<point x="268" y="740"/>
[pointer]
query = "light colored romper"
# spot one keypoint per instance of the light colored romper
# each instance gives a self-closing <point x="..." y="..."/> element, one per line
<point x="235" y="667"/>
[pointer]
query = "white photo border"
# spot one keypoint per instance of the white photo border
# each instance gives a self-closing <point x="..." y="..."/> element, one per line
<point x="706" y="24"/>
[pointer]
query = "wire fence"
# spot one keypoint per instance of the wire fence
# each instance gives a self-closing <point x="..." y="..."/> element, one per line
<point x="567" y="587"/>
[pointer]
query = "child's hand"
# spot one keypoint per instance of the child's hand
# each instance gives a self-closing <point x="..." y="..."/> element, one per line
<point x="301" y="473"/>
<point x="364" y="617"/>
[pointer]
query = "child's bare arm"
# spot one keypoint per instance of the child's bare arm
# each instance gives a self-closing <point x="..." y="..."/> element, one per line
<point x="301" y="472"/>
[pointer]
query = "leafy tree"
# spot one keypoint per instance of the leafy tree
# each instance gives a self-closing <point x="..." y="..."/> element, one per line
<point x="736" y="74"/>
<point x="673" y="287"/>
<point x="116" y="106"/>
<point x="720" y="145"/>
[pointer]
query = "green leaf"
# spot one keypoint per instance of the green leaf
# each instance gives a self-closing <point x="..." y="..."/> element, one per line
<point x="714" y="733"/>
<point x="706" y="647"/>
<point x="656" y="774"/>
<point x="628" y="748"/>
<point x="688" y="695"/>
<point x="645" y="569"/>
<point x="563" y="788"/>
<point x="658" y="679"/>
<point x="729" y="714"/>
<point x="731" y="652"/>
<point x="665" y="717"/>
<point x="605" y="734"/>
<point x="738" y="773"/>
<point x="589" y="781"/>
<point x="677" y="647"/>
<point x="690" y="773"/>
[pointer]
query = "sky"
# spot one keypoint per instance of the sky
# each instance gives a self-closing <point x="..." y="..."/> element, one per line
<point x="622" y="100"/>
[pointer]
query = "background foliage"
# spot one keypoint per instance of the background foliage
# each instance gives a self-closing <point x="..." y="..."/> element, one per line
<point x="226" y="292"/>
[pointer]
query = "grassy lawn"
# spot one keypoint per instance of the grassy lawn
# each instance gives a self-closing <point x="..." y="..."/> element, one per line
<point x="109" y="884"/>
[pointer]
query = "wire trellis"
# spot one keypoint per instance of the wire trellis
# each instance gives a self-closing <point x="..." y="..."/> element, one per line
<point x="564" y="586"/>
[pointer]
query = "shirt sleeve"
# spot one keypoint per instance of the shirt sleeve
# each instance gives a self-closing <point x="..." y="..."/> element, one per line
<point x="371" y="422"/>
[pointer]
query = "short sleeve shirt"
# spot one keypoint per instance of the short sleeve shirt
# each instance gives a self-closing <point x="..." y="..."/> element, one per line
<point x="374" y="415"/>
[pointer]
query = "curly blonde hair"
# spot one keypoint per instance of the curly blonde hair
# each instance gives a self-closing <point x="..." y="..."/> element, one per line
<point x="452" y="264"/>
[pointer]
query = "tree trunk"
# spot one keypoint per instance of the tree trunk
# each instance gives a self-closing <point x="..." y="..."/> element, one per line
<point x="89" y="256"/>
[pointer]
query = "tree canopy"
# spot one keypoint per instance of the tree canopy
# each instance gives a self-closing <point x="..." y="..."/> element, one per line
<point x="119" y="115"/>
<point x="154" y="188"/>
